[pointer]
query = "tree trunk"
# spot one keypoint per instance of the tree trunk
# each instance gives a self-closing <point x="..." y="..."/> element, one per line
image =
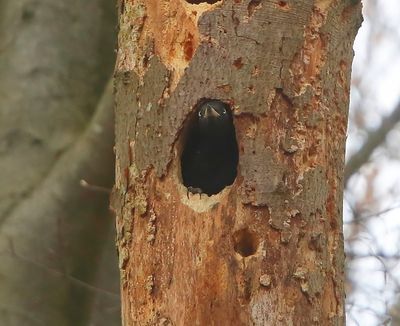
<point x="267" y="250"/>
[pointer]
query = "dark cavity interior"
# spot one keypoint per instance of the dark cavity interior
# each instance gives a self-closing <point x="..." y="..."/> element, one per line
<point x="210" y="154"/>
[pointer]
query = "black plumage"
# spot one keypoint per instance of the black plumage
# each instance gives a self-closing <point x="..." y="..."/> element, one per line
<point x="210" y="155"/>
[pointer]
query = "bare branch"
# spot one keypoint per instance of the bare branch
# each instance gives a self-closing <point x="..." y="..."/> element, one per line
<point x="374" y="139"/>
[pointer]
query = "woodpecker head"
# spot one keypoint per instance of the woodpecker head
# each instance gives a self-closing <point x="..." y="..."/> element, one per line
<point x="214" y="114"/>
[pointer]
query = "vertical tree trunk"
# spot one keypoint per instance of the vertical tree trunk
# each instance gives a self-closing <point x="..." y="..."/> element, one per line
<point x="267" y="250"/>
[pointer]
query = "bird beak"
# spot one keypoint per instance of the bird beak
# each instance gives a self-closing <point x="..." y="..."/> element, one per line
<point x="211" y="112"/>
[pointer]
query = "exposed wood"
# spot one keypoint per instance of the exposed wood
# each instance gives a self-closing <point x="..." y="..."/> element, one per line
<point x="267" y="250"/>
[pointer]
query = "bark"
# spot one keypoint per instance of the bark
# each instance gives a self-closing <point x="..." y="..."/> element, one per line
<point x="267" y="250"/>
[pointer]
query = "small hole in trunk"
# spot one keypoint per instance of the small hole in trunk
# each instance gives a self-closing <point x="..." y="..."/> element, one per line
<point x="245" y="242"/>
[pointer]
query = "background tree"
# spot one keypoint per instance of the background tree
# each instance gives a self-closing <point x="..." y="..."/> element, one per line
<point x="55" y="129"/>
<point x="268" y="249"/>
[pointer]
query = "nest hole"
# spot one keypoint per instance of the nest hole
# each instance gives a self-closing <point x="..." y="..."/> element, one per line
<point x="210" y="153"/>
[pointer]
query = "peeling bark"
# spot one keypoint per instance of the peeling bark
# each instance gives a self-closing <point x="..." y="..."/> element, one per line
<point x="267" y="250"/>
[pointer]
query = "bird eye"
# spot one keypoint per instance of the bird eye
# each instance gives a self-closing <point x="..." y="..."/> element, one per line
<point x="200" y="115"/>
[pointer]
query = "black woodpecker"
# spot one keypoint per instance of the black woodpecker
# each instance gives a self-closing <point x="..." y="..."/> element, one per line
<point x="210" y="155"/>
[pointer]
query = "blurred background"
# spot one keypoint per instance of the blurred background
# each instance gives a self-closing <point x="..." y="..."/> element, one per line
<point x="58" y="262"/>
<point x="372" y="192"/>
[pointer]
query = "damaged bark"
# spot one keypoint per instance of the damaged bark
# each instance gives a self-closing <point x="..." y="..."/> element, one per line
<point x="267" y="250"/>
